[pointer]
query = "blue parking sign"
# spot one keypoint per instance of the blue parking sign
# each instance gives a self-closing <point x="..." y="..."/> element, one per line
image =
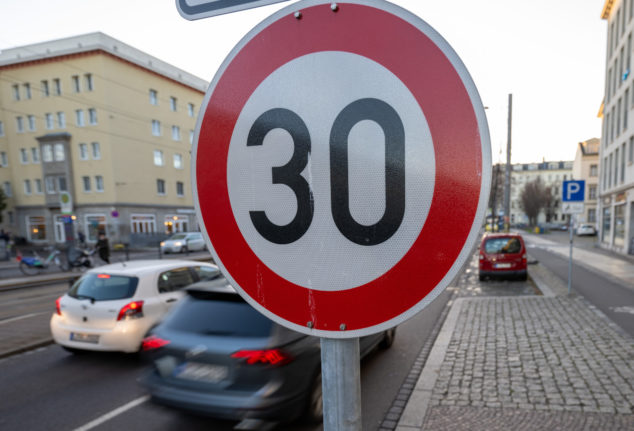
<point x="573" y="191"/>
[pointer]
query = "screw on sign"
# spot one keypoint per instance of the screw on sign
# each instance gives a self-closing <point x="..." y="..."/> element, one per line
<point x="341" y="166"/>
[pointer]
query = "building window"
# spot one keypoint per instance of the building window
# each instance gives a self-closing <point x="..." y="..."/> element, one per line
<point x="605" y="232"/>
<point x="142" y="223"/>
<point x="27" y="187"/>
<point x="156" y="128"/>
<point x="61" y="120"/>
<point x="96" y="150"/>
<point x="630" y="153"/>
<point x="83" y="152"/>
<point x="79" y="118"/>
<point x="50" y="185"/>
<point x="4" y="160"/>
<point x="176" y="223"/>
<point x="24" y="156"/>
<point x="35" y="154"/>
<point x="38" y="186"/>
<point x="75" y="81"/>
<point x="31" y="120"/>
<point x="622" y="163"/>
<point x="19" y="124"/>
<point x="47" y="152"/>
<point x="592" y="192"/>
<point x="57" y="87"/>
<point x="95" y="223"/>
<point x="45" y="89"/>
<point x="98" y="183"/>
<point x="619" y="225"/>
<point x="61" y="183"/>
<point x="191" y="137"/>
<point x="180" y="189"/>
<point x="88" y="81"/>
<point x="594" y="170"/>
<point x="160" y="187"/>
<point x="16" y="91"/>
<point x="1" y="128"/>
<point x="59" y="153"/>
<point x="158" y="158"/>
<point x="173" y="104"/>
<point x="27" y="90"/>
<point x="36" y="228"/>
<point x="176" y="133"/>
<point x="86" y="184"/>
<point x="48" y="118"/>
<point x="153" y="97"/>
<point x="178" y="161"/>
<point x="7" y="189"/>
<point x="92" y="116"/>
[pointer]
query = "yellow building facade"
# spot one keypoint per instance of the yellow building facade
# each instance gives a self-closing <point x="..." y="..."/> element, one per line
<point x="95" y="135"/>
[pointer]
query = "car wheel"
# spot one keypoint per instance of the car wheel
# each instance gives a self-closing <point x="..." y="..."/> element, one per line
<point x="388" y="339"/>
<point x="315" y="405"/>
<point x="29" y="269"/>
<point x="481" y="277"/>
<point x="523" y="277"/>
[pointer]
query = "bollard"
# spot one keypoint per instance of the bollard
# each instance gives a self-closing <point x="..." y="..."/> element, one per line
<point x="127" y="251"/>
<point x="160" y="256"/>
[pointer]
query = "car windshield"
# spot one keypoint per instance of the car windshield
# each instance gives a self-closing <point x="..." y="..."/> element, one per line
<point x="502" y="245"/>
<point x="178" y="236"/>
<point x="104" y="287"/>
<point x="218" y="314"/>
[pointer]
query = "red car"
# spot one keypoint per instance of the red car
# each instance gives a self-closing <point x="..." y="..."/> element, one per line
<point x="503" y="254"/>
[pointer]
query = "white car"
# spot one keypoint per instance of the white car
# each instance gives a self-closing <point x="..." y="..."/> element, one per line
<point x="177" y="242"/>
<point x="586" y="229"/>
<point x="111" y="308"/>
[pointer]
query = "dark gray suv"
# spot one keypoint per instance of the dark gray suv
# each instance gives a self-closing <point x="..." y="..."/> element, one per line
<point x="216" y="355"/>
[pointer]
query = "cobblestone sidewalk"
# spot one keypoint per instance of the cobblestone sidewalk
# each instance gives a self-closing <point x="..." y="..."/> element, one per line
<point x="533" y="363"/>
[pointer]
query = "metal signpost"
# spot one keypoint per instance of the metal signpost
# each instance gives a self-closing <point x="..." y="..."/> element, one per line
<point x="573" y="195"/>
<point x="341" y="170"/>
<point x="197" y="9"/>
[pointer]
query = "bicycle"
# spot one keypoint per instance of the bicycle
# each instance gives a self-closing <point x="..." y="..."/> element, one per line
<point x="34" y="265"/>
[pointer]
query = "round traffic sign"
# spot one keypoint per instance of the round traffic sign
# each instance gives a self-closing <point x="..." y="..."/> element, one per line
<point x="341" y="166"/>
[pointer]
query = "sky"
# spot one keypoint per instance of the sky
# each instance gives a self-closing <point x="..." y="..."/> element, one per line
<point x="550" y="55"/>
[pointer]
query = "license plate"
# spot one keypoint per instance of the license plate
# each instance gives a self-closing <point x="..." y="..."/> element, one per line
<point x="84" y="338"/>
<point x="502" y="265"/>
<point x="202" y="372"/>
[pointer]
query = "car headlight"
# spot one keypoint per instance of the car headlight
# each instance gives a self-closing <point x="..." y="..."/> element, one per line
<point x="178" y="243"/>
<point x="162" y="243"/>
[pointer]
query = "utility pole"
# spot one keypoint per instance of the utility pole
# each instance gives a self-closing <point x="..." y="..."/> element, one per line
<point x="507" y="176"/>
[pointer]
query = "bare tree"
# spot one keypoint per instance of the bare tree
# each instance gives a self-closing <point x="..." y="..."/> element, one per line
<point x="534" y="198"/>
<point x="496" y="197"/>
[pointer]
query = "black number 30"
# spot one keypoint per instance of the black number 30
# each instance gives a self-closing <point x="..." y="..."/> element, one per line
<point x="290" y="174"/>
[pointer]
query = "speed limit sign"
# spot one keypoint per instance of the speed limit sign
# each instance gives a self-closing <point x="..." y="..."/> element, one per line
<point x="341" y="166"/>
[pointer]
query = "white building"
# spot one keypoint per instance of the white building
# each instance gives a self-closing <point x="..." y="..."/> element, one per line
<point x="616" y="154"/>
<point x="586" y="167"/>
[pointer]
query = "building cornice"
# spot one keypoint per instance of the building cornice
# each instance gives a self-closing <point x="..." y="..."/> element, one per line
<point x="607" y="8"/>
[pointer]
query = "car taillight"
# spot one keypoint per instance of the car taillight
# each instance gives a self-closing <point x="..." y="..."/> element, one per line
<point x="153" y="342"/>
<point x="132" y="310"/>
<point x="58" y="308"/>
<point x="268" y="357"/>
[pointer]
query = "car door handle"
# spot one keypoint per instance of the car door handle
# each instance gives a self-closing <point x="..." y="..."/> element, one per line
<point x="171" y="300"/>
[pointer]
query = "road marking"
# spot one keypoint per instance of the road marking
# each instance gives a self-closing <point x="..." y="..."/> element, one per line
<point x="26" y="316"/>
<point x="116" y="412"/>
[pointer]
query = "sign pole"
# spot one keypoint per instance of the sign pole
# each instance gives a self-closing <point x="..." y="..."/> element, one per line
<point x="570" y="227"/>
<point x="341" y="381"/>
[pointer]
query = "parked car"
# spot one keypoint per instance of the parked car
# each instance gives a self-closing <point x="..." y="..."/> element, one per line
<point x="586" y="229"/>
<point x="503" y="254"/>
<point x="177" y="243"/>
<point x="216" y="355"/>
<point x="112" y="308"/>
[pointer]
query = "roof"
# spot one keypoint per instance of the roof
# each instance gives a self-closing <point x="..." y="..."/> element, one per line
<point x="590" y="147"/>
<point x="98" y="41"/>
<point x="142" y="267"/>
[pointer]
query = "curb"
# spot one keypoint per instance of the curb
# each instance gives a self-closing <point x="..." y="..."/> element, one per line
<point x="26" y="348"/>
<point x="415" y="411"/>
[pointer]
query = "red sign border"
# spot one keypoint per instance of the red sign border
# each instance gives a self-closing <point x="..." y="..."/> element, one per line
<point x="397" y="42"/>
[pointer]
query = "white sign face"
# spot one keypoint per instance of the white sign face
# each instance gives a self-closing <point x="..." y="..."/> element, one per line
<point x="572" y="207"/>
<point x="197" y="9"/>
